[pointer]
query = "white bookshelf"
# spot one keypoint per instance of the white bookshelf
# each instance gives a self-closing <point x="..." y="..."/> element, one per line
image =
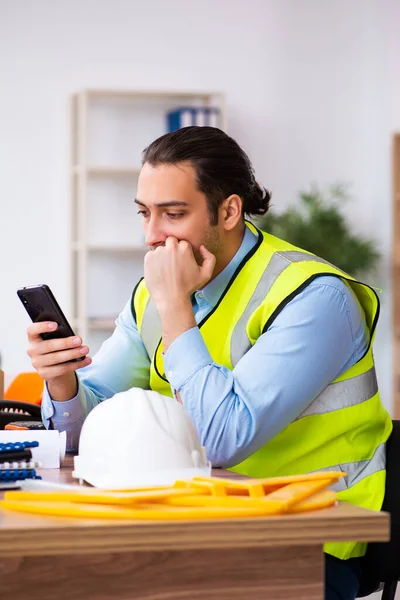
<point x="109" y="130"/>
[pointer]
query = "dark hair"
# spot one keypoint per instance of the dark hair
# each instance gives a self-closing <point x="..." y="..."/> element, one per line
<point x="222" y="167"/>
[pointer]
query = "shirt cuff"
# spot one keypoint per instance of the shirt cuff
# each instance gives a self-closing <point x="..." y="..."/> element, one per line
<point x="62" y="414"/>
<point x="186" y="355"/>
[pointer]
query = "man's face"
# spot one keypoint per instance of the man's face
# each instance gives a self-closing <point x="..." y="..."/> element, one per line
<point x="171" y="205"/>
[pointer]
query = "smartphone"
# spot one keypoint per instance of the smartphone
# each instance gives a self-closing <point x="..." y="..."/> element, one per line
<point x="41" y="305"/>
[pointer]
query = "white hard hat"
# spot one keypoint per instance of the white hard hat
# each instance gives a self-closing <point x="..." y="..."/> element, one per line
<point x="139" y="438"/>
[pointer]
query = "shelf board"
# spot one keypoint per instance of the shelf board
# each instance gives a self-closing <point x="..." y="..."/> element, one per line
<point x="113" y="248"/>
<point x="101" y="323"/>
<point x="107" y="171"/>
<point x="76" y="323"/>
<point x="116" y="248"/>
<point x="150" y="94"/>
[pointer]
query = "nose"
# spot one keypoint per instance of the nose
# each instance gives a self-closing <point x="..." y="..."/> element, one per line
<point x="154" y="235"/>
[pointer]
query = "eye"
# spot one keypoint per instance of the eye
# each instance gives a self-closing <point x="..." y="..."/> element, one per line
<point x="175" y="215"/>
<point x="143" y="213"/>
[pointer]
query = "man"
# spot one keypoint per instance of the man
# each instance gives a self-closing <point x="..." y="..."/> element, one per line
<point x="267" y="346"/>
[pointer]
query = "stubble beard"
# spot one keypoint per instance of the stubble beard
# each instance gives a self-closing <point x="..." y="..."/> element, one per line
<point x="212" y="241"/>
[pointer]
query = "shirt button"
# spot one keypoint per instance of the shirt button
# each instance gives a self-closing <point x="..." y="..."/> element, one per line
<point x="200" y="295"/>
<point x="170" y="374"/>
<point x="66" y="414"/>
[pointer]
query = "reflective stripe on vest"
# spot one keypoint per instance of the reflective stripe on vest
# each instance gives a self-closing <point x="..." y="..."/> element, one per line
<point x="151" y="328"/>
<point x="357" y="471"/>
<point x="240" y="343"/>
<point x="343" y="394"/>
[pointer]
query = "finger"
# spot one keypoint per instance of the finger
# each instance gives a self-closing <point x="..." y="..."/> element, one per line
<point x="49" y="373"/>
<point x="60" y="344"/>
<point x="171" y="242"/>
<point x="148" y="258"/>
<point x="35" y="329"/>
<point x="185" y="246"/>
<point x="208" y="264"/>
<point x="48" y="346"/>
<point x="56" y="358"/>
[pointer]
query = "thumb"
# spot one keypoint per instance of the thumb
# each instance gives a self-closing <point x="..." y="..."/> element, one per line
<point x="208" y="263"/>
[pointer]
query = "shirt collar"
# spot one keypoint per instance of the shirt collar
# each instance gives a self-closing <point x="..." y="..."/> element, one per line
<point x="213" y="290"/>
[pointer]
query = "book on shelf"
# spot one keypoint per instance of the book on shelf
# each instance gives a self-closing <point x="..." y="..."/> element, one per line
<point x="193" y="115"/>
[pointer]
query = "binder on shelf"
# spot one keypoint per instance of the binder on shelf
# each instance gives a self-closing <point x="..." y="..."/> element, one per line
<point x="192" y="115"/>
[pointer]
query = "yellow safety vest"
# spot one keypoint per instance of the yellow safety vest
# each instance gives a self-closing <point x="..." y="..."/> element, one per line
<point x="345" y="428"/>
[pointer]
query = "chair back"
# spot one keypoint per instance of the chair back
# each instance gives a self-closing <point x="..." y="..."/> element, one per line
<point x="25" y="387"/>
<point x="11" y="410"/>
<point x="382" y="561"/>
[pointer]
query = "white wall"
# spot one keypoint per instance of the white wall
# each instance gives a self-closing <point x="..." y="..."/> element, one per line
<point x="311" y="95"/>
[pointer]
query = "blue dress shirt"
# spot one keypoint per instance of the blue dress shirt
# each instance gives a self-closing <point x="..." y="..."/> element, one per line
<point x="318" y="335"/>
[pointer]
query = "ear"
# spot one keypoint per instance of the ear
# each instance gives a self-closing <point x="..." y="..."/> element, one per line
<point x="230" y="212"/>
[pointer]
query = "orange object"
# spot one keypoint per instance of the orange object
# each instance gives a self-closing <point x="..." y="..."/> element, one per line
<point x="173" y="503"/>
<point x="152" y="512"/>
<point x="199" y="498"/>
<point x="213" y="487"/>
<point x="257" y="488"/>
<point x="26" y="387"/>
<point x="323" y="499"/>
<point x="95" y="496"/>
<point x="270" y="507"/>
<point x="10" y="427"/>
<point x="294" y="493"/>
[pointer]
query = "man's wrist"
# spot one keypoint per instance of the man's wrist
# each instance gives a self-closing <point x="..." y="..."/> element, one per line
<point x="166" y="306"/>
<point x="176" y="317"/>
<point x="62" y="389"/>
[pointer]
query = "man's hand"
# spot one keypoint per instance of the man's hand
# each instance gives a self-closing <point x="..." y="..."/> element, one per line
<point x="54" y="360"/>
<point x="172" y="273"/>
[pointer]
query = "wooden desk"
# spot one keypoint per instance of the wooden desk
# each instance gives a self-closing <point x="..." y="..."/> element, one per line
<point x="274" y="558"/>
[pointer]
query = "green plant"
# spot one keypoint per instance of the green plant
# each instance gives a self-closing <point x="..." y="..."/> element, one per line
<point x="319" y="226"/>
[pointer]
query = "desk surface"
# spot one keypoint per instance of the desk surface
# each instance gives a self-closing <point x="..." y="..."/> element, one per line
<point x="32" y="535"/>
